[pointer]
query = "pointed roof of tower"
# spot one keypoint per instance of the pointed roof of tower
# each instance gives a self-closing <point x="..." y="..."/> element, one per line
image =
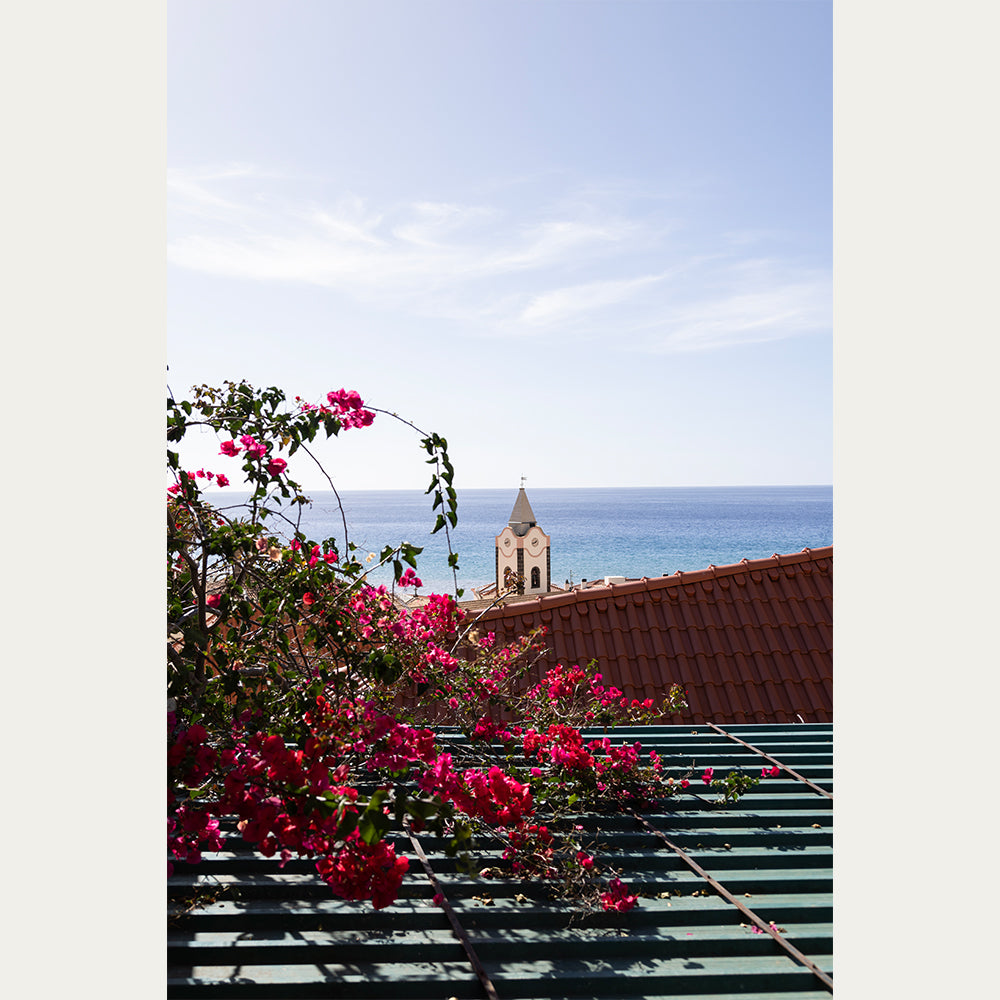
<point x="522" y="516"/>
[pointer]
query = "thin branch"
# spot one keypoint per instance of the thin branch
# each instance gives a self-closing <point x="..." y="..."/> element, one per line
<point x="340" y="505"/>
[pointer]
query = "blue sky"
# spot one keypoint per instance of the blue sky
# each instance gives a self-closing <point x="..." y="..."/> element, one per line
<point x="588" y="242"/>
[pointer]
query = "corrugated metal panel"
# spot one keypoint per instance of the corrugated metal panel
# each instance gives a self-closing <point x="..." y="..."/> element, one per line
<point x="278" y="933"/>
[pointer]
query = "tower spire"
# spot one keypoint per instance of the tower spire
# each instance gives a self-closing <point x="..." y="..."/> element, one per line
<point x="522" y="517"/>
<point x="523" y="550"/>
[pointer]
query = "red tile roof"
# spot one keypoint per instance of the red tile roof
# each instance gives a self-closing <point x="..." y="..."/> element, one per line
<point x="749" y="642"/>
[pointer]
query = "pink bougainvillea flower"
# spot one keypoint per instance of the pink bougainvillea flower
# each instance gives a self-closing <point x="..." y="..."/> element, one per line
<point x="276" y="466"/>
<point x="684" y="782"/>
<point x="345" y="400"/>
<point x="618" y="897"/>
<point x="229" y="448"/>
<point x="253" y="447"/>
<point x="707" y="776"/>
<point x="176" y="488"/>
<point x="438" y="899"/>
<point x="362" y="418"/>
<point x="308" y="599"/>
<point x="774" y="772"/>
<point x="213" y="600"/>
<point x="221" y="480"/>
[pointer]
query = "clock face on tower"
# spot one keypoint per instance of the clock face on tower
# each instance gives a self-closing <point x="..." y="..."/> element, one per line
<point x="507" y="543"/>
<point x="534" y="543"/>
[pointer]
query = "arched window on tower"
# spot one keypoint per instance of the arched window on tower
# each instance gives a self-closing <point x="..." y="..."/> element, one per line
<point x="536" y="578"/>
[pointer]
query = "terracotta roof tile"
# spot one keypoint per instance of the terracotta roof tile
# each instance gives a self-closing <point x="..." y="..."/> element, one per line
<point x="751" y="641"/>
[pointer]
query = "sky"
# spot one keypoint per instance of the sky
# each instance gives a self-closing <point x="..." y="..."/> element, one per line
<point x="587" y="242"/>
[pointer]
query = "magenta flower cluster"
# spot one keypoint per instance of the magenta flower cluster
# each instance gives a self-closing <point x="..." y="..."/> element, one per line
<point x="311" y="623"/>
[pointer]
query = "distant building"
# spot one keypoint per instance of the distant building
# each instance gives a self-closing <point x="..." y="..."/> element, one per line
<point x="523" y="552"/>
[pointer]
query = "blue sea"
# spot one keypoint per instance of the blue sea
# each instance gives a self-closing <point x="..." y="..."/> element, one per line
<point x="631" y="532"/>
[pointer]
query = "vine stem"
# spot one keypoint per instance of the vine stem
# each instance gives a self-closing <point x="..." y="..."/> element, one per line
<point x="437" y="477"/>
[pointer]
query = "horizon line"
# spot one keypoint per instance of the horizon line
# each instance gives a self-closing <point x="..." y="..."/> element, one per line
<point x="484" y="489"/>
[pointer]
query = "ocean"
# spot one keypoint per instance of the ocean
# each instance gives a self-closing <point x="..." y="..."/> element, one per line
<point x="630" y="532"/>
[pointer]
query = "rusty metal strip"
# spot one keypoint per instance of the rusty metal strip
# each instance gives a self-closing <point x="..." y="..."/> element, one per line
<point x="457" y="929"/>
<point x="739" y="904"/>
<point x="777" y="763"/>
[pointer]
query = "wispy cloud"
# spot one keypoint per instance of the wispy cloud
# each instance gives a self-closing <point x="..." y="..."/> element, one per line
<point x="545" y="270"/>
<point x="553" y="307"/>
<point x="746" y="303"/>
<point x="196" y="192"/>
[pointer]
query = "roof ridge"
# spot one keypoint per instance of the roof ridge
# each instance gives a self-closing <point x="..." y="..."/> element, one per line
<point x="677" y="579"/>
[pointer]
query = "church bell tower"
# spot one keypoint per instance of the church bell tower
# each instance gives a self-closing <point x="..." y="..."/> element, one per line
<point x="523" y="553"/>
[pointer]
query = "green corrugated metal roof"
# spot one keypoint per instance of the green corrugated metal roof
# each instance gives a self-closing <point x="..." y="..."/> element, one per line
<point x="276" y="932"/>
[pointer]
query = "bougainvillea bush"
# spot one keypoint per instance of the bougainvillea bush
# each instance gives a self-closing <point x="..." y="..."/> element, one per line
<point x="308" y="704"/>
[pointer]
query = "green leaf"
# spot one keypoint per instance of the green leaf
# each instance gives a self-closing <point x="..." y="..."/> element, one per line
<point x="346" y="826"/>
<point x="421" y="808"/>
<point x="374" y="824"/>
